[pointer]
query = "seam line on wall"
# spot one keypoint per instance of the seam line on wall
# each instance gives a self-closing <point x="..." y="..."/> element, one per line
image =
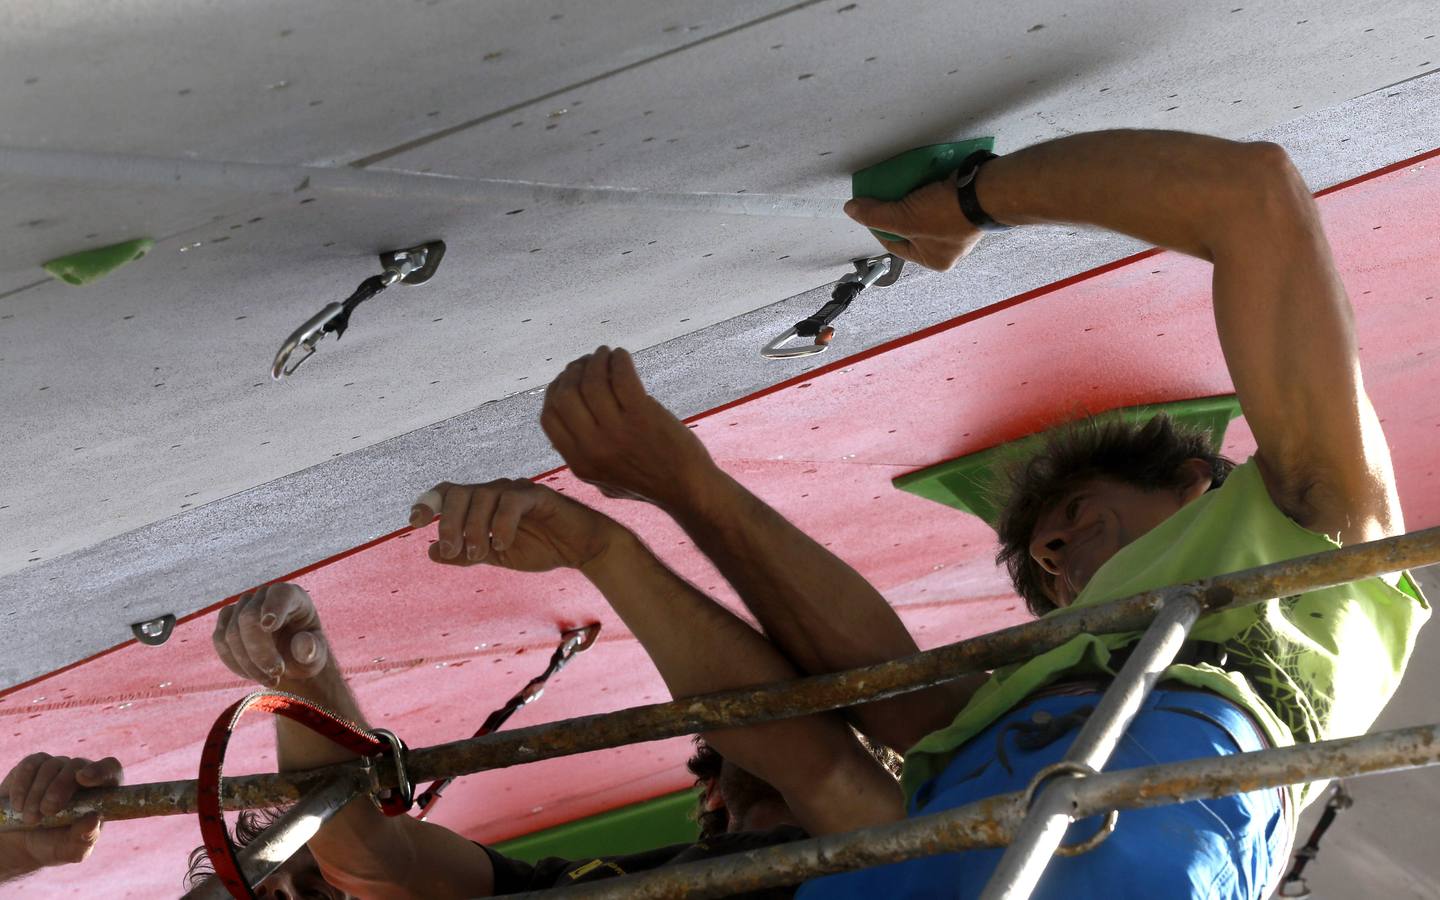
<point x="443" y="133"/>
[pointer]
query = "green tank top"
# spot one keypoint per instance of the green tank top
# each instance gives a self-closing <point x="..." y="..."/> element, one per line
<point x="1310" y="667"/>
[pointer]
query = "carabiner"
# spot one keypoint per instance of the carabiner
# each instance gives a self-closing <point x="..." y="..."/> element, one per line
<point x="413" y="265"/>
<point x="880" y="270"/>
<point x="776" y="348"/>
<point x="307" y="336"/>
<point x="398" y="800"/>
<point x="577" y="640"/>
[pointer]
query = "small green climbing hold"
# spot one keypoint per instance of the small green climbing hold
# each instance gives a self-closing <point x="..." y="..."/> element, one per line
<point x="899" y="175"/>
<point x="92" y="265"/>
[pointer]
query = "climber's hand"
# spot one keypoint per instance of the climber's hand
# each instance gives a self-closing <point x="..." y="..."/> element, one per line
<point x="936" y="233"/>
<point x="514" y="524"/>
<point x="42" y="785"/>
<point x="617" y="437"/>
<point x="272" y="636"/>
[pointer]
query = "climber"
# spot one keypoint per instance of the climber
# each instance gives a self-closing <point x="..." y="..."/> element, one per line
<point x="810" y="775"/>
<point x="1104" y="511"/>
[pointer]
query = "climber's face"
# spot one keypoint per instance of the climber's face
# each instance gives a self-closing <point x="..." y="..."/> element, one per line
<point x="1083" y="529"/>
<point x="299" y="879"/>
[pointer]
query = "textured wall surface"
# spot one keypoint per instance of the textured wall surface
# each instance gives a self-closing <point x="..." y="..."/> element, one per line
<point x="661" y="176"/>
<point x="151" y="465"/>
<point x="431" y="649"/>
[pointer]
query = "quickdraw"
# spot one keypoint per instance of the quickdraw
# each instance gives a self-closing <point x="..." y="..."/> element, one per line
<point x="368" y="744"/>
<point x="572" y="642"/>
<point x="412" y="266"/>
<point x="880" y="270"/>
<point x="1294" y="884"/>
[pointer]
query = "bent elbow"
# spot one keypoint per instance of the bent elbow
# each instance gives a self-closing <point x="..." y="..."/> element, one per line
<point x="1271" y="206"/>
<point x="1273" y="185"/>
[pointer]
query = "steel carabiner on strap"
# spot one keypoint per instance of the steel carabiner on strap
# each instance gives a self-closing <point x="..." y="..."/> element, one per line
<point x="305" y="337"/>
<point x="880" y="270"/>
<point x="411" y="266"/>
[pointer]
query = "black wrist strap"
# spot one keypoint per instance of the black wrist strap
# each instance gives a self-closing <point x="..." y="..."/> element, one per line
<point x="965" y="192"/>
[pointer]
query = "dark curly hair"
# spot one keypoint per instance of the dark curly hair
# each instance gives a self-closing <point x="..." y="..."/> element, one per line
<point x="1149" y="455"/>
<point x="248" y="826"/>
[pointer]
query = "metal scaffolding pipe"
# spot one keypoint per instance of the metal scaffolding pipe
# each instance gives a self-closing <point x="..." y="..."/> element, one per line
<point x="992" y="822"/>
<point x="173" y="798"/>
<point x="1044" y="827"/>
<point x="796" y="698"/>
<point x="284" y="838"/>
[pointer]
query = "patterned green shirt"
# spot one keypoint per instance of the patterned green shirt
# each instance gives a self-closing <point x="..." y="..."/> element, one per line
<point x="1310" y="667"/>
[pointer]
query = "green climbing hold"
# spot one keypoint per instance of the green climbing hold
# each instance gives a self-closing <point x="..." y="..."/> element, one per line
<point x="899" y="175"/>
<point x="91" y="265"/>
<point x="968" y="483"/>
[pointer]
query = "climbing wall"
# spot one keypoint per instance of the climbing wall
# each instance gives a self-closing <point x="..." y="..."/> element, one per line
<point x="647" y="173"/>
<point x="430" y="650"/>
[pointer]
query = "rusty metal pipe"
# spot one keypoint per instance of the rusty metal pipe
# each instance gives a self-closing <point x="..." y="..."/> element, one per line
<point x="992" y="822"/>
<point x="276" y="844"/>
<point x="1039" y="836"/>
<point x="796" y="698"/>
<point x="922" y="670"/>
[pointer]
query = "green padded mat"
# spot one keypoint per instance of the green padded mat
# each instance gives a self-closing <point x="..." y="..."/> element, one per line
<point x="964" y="483"/>
<point x="629" y="829"/>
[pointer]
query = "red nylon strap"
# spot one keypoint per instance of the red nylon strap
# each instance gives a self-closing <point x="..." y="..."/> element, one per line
<point x="212" y="763"/>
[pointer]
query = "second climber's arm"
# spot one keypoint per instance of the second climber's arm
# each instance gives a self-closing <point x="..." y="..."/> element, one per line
<point x="273" y="637"/>
<point x="822" y="614"/>
<point x="827" y="778"/>
<point x="830" y="782"/>
<point x="1171" y="189"/>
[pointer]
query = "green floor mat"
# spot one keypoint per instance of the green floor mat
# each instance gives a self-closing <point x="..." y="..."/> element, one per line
<point x="629" y="829"/>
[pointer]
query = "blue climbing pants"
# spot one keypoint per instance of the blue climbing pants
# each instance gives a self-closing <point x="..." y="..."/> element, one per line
<point x="1230" y="848"/>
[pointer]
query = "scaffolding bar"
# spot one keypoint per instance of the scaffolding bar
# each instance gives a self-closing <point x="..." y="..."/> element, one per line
<point x="174" y="798"/>
<point x="842" y="689"/>
<point x="1044" y="827"/>
<point x="991" y="822"/>
<point x="283" y="839"/>
<point x="796" y="698"/>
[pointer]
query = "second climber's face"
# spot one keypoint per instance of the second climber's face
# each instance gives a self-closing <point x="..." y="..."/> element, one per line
<point x="299" y="879"/>
<point x="742" y="791"/>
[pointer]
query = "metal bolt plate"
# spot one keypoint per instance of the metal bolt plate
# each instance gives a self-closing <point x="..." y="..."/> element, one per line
<point x="433" y="252"/>
<point x="155" y="631"/>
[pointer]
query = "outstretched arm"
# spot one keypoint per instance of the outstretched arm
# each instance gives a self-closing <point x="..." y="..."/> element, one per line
<point x="273" y="637"/>
<point x="829" y="781"/>
<point x="1284" y="319"/>
<point x="818" y="610"/>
